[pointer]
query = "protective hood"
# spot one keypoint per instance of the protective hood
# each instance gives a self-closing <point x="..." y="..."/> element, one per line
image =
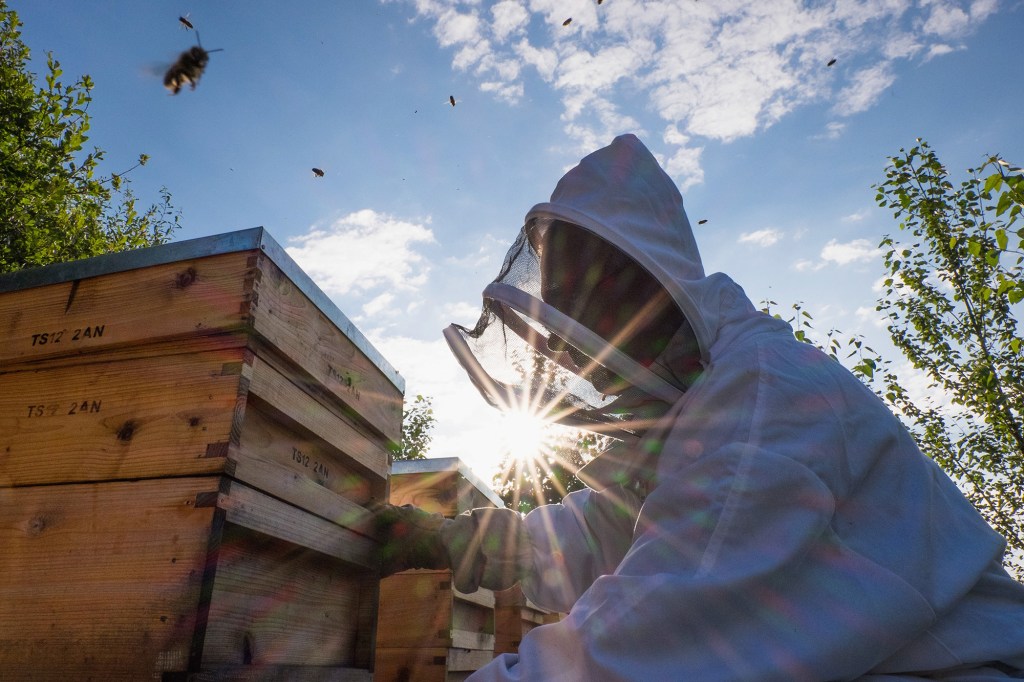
<point x="621" y="195"/>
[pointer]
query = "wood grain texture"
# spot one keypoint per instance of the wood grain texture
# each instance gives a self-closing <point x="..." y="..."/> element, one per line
<point x="189" y="298"/>
<point x="289" y="321"/>
<point x="101" y="580"/>
<point x="132" y="580"/>
<point x="126" y="419"/>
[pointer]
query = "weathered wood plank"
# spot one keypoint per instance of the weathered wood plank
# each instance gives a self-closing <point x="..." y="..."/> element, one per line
<point x="100" y="580"/>
<point x="276" y="603"/>
<point x="411" y="665"/>
<point x="280" y="673"/>
<point x="187" y="298"/>
<point x="252" y="509"/>
<point x="468" y="659"/>
<point x="368" y="450"/>
<point x="287" y="319"/>
<point x="415" y="610"/>
<point x="141" y="418"/>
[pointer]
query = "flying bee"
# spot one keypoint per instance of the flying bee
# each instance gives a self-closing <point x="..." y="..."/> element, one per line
<point x="318" y="172"/>
<point x="451" y="100"/>
<point x="567" y="21"/>
<point x="185" y="23"/>
<point x="831" y="62"/>
<point x="188" y="68"/>
<point x="702" y="221"/>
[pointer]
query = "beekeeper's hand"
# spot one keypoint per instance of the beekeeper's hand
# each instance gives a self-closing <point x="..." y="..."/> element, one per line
<point x="488" y="548"/>
<point x="484" y="547"/>
<point x="408" y="538"/>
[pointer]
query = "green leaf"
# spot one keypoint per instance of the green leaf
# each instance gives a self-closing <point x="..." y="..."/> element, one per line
<point x="994" y="181"/>
<point x="1005" y="201"/>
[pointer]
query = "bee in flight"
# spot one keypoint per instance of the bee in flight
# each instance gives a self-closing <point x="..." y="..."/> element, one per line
<point x="188" y="68"/>
<point x="451" y="100"/>
<point x="185" y="23"/>
<point x="318" y="172"/>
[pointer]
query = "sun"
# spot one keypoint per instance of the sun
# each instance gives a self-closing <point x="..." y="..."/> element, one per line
<point x="524" y="435"/>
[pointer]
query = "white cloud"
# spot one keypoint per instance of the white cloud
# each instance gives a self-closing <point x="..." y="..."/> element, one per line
<point x="868" y="315"/>
<point x="510" y="17"/>
<point x="856" y="217"/>
<point x="855" y="251"/>
<point x="362" y="251"/>
<point x="462" y="313"/>
<point x="465" y="424"/>
<point x="946" y="19"/>
<point x="717" y="70"/>
<point x="833" y="130"/>
<point x="765" y="237"/>
<point x="379" y="306"/>
<point x="938" y="51"/>
<point x="453" y="28"/>
<point x="868" y="84"/>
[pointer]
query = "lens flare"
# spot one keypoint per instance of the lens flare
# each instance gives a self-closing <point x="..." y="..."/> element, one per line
<point x="524" y="435"/>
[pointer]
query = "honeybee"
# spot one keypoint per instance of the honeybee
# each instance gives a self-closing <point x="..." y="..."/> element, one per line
<point x="451" y="100"/>
<point x="188" y="68"/>
<point x="185" y="23"/>
<point x="318" y="172"/>
<point x="831" y="62"/>
<point x="567" y="21"/>
<point x="702" y="221"/>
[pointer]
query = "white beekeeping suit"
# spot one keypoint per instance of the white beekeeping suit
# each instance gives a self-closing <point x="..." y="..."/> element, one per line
<point x="771" y="521"/>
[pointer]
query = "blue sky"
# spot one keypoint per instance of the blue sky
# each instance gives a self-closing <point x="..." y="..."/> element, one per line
<point x="420" y="200"/>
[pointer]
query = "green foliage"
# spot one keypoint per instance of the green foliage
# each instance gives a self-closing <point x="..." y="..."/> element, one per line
<point x="547" y="478"/>
<point x="53" y="206"/>
<point x="418" y="422"/>
<point x="951" y="298"/>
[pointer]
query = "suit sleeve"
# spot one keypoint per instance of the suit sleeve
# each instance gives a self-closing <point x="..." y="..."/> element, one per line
<point x="577" y="541"/>
<point x="733" y="573"/>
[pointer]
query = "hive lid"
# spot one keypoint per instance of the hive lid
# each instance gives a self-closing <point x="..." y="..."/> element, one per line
<point x="228" y="242"/>
<point x="442" y="465"/>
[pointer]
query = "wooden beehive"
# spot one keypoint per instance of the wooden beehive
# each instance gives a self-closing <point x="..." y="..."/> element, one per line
<point x="514" y="617"/>
<point x="428" y="631"/>
<point x="188" y="434"/>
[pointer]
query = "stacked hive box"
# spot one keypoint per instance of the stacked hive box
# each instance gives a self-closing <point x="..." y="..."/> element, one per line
<point x="187" y="435"/>
<point x="427" y="630"/>
<point x="514" y="616"/>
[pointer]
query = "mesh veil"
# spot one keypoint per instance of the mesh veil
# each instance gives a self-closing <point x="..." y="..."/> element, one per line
<point x="523" y="354"/>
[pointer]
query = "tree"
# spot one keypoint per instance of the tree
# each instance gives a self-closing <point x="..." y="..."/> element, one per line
<point x="525" y="484"/>
<point x="418" y="422"/>
<point x="53" y="206"/>
<point x="952" y="294"/>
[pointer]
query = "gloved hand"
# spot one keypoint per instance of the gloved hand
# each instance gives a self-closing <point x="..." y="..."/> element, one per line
<point x="484" y="547"/>
<point x="409" y="538"/>
<point x="487" y="548"/>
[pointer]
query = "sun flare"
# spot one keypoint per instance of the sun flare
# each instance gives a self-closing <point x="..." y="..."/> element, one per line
<point x="524" y="435"/>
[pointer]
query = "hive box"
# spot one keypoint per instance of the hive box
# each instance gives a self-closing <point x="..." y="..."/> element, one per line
<point x="188" y="434"/>
<point x="427" y="630"/>
<point x="514" y="617"/>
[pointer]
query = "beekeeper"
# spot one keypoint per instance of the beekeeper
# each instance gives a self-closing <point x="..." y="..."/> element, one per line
<point x="763" y="515"/>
